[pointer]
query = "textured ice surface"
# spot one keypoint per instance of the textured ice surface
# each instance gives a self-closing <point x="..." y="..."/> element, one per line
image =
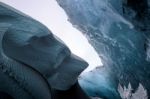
<point x="119" y="40"/>
<point x="32" y="59"/>
<point x="49" y="14"/>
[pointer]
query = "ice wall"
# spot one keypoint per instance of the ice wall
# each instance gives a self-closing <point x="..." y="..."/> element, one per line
<point x="116" y="37"/>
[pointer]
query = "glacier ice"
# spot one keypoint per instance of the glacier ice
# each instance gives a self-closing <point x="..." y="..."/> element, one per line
<point x="127" y="92"/>
<point x="34" y="63"/>
<point x="119" y="31"/>
<point x="97" y="83"/>
<point x="60" y="26"/>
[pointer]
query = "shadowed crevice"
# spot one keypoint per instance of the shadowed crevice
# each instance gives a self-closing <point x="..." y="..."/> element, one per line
<point x="5" y="96"/>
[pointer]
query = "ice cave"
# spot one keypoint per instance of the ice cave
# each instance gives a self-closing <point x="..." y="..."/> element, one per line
<point x="45" y="60"/>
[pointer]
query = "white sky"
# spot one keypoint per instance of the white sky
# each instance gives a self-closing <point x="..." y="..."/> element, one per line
<point x="53" y="16"/>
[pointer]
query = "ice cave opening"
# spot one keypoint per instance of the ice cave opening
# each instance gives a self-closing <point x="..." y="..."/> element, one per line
<point x="117" y="29"/>
<point x="53" y="16"/>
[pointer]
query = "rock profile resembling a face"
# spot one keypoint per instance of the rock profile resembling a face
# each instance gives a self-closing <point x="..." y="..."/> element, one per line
<point x="33" y="62"/>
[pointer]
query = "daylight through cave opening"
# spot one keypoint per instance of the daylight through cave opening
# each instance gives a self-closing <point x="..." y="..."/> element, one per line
<point x="60" y="26"/>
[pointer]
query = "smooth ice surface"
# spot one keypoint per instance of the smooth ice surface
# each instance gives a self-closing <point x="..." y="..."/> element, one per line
<point x="52" y="15"/>
<point x="97" y="83"/>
